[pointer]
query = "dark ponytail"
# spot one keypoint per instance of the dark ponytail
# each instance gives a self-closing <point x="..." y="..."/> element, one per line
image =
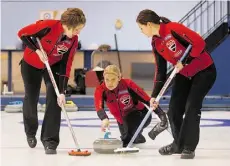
<point x="164" y="20"/>
<point x="147" y="15"/>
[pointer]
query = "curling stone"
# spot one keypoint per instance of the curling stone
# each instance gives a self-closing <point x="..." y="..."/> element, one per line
<point x="43" y="108"/>
<point x="14" y="107"/>
<point x="39" y="107"/>
<point x="70" y="106"/>
<point x="106" y="145"/>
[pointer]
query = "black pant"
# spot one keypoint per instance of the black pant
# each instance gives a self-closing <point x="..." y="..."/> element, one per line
<point x="32" y="79"/>
<point x="187" y="98"/>
<point x="130" y="124"/>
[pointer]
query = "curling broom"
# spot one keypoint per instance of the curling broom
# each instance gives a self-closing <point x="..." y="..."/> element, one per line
<point x="77" y="152"/>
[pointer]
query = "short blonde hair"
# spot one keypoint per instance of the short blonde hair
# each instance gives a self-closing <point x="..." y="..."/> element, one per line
<point x="112" y="69"/>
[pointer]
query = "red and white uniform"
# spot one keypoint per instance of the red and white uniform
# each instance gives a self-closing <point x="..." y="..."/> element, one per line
<point x="127" y="97"/>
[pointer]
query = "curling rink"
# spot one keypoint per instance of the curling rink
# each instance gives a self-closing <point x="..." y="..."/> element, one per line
<point x="213" y="148"/>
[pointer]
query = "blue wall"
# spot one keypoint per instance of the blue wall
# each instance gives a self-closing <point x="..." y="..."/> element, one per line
<point x="100" y="15"/>
<point x="221" y="57"/>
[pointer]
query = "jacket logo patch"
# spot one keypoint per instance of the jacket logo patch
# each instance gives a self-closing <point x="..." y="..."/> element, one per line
<point x="125" y="99"/>
<point x="61" y="49"/>
<point x="171" y="44"/>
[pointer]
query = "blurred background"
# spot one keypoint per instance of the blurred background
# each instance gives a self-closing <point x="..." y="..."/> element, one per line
<point x="111" y="25"/>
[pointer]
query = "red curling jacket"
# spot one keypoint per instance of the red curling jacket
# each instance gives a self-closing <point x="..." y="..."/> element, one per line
<point x="59" y="48"/>
<point x="125" y="98"/>
<point x="171" y="45"/>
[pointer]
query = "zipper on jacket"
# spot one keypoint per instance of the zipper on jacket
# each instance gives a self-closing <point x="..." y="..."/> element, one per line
<point x="55" y="45"/>
<point x="118" y="104"/>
